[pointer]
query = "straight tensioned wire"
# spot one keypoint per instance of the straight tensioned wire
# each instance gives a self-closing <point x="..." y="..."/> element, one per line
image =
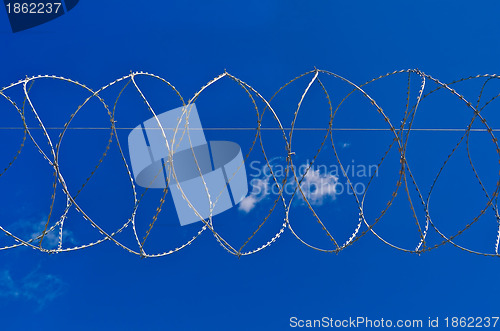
<point x="261" y="129"/>
<point x="406" y="180"/>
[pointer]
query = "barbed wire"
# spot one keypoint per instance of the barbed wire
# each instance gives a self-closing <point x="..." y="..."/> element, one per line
<point x="400" y="138"/>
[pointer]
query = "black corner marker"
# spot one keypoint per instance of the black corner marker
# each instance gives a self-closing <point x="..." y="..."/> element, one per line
<point x="26" y="14"/>
<point x="70" y="4"/>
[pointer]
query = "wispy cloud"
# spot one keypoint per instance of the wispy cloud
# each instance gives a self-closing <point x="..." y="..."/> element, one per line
<point x="7" y="286"/>
<point x="32" y="227"/>
<point x="38" y="287"/>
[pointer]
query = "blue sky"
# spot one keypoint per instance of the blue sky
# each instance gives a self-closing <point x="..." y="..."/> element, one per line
<point x="266" y="44"/>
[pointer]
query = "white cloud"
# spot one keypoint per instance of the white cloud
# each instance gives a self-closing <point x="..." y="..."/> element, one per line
<point x="248" y="203"/>
<point x="260" y="191"/>
<point x="318" y="187"/>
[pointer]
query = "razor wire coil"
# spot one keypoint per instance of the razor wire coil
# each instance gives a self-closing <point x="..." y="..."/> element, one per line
<point x="406" y="179"/>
